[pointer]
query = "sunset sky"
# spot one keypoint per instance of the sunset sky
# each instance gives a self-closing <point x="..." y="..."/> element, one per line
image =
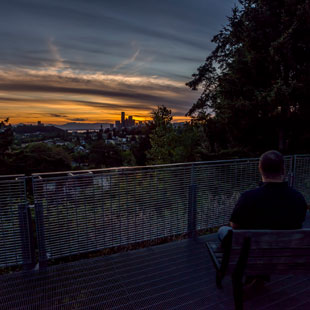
<point x="86" y="61"/>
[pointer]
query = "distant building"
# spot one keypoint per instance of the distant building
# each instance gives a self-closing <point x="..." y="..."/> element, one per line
<point x="40" y="124"/>
<point x="131" y="121"/>
<point x="123" y="119"/>
<point x="125" y="122"/>
<point x="118" y="124"/>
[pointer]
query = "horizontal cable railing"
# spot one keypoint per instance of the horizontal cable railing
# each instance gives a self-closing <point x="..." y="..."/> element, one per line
<point x="15" y="233"/>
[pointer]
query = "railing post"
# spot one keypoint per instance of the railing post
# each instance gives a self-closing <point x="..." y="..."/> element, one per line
<point x="26" y="233"/>
<point x="192" y="206"/>
<point x="40" y="234"/>
<point x="293" y="171"/>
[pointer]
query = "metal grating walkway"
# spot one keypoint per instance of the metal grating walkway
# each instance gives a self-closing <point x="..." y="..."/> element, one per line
<point x="177" y="275"/>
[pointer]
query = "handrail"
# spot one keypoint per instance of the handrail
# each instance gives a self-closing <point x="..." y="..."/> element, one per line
<point x="144" y="167"/>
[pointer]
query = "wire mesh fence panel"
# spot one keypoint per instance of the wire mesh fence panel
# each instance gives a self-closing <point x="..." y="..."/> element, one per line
<point x="112" y="207"/>
<point x="302" y="175"/>
<point x="93" y="210"/>
<point x="220" y="184"/>
<point x="14" y="235"/>
<point x="219" y="187"/>
<point x="81" y="213"/>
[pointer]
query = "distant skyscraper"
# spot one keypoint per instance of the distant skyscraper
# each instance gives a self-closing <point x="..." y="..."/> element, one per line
<point x="123" y="118"/>
<point x="131" y="121"/>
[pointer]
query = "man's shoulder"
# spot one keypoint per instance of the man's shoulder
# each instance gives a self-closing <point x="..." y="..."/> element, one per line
<point x="252" y="192"/>
<point x="296" y="193"/>
<point x="266" y="191"/>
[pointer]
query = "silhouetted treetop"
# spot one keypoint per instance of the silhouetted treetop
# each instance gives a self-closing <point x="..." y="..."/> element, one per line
<point x="259" y="70"/>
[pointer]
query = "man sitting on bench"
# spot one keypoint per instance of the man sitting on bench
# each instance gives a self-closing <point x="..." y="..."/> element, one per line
<point x="273" y="205"/>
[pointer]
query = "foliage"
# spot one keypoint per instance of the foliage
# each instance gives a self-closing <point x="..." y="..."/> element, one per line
<point x="128" y="158"/>
<point x="81" y="158"/>
<point x="6" y="141"/>
<point x="40" y="157"/>
<point x="162" y="138"/>
<point x="104" y="155"/>
<point x="188" y="144"/>
<point x="170" y="144"/>
<point x="140" y="148"/>
<point x="6" y="136"/>
<point x="255" y="80"/>
<point x="161" y="117"/>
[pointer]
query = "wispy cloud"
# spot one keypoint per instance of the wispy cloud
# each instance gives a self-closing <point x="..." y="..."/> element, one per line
<point x="58" y="60"/>
<point x="127" y="61"/>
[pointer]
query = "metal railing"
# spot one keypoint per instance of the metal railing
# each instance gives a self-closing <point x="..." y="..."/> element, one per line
<point x="93" y="210"/>
<point x="78" y="212"/>
<point x="219" y="185"/>
<point x="16" y="247"/>
<point x="108" y="208"/>
<point x="301" y="173"/>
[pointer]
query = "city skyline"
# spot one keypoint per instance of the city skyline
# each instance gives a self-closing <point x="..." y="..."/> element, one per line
<point x="79" y="61"/>
<point x="125" y="122"/>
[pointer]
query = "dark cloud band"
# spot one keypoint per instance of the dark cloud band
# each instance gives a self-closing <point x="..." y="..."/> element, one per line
<point x="144" y="97"/>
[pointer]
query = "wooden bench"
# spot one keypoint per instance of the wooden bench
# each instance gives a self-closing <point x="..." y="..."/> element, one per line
<point x="259" y="252"/>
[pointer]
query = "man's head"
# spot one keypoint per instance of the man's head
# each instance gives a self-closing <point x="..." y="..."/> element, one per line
<point x="271" y="166"/>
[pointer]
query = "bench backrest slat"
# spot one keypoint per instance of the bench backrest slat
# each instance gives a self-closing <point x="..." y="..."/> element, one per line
<point x="273" y="238"/>
<point x="274" y="260"/>
<point x="272" y="251"/>
<point x="264" y="269"/>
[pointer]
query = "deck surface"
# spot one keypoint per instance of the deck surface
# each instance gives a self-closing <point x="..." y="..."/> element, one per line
<point x="177" y="275"/>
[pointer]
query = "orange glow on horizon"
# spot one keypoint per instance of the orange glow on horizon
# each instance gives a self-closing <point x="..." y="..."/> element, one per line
<point x="50" y="120"/>
<point x="70" y="112"/>
<point x="55" y="96"/>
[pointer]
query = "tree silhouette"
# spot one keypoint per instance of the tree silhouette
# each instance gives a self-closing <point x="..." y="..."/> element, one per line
<point x="102" y="155"/>
<point x="162" y="137"/>
<point x="255" y="81"/>
<point x="6" y="136"/>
